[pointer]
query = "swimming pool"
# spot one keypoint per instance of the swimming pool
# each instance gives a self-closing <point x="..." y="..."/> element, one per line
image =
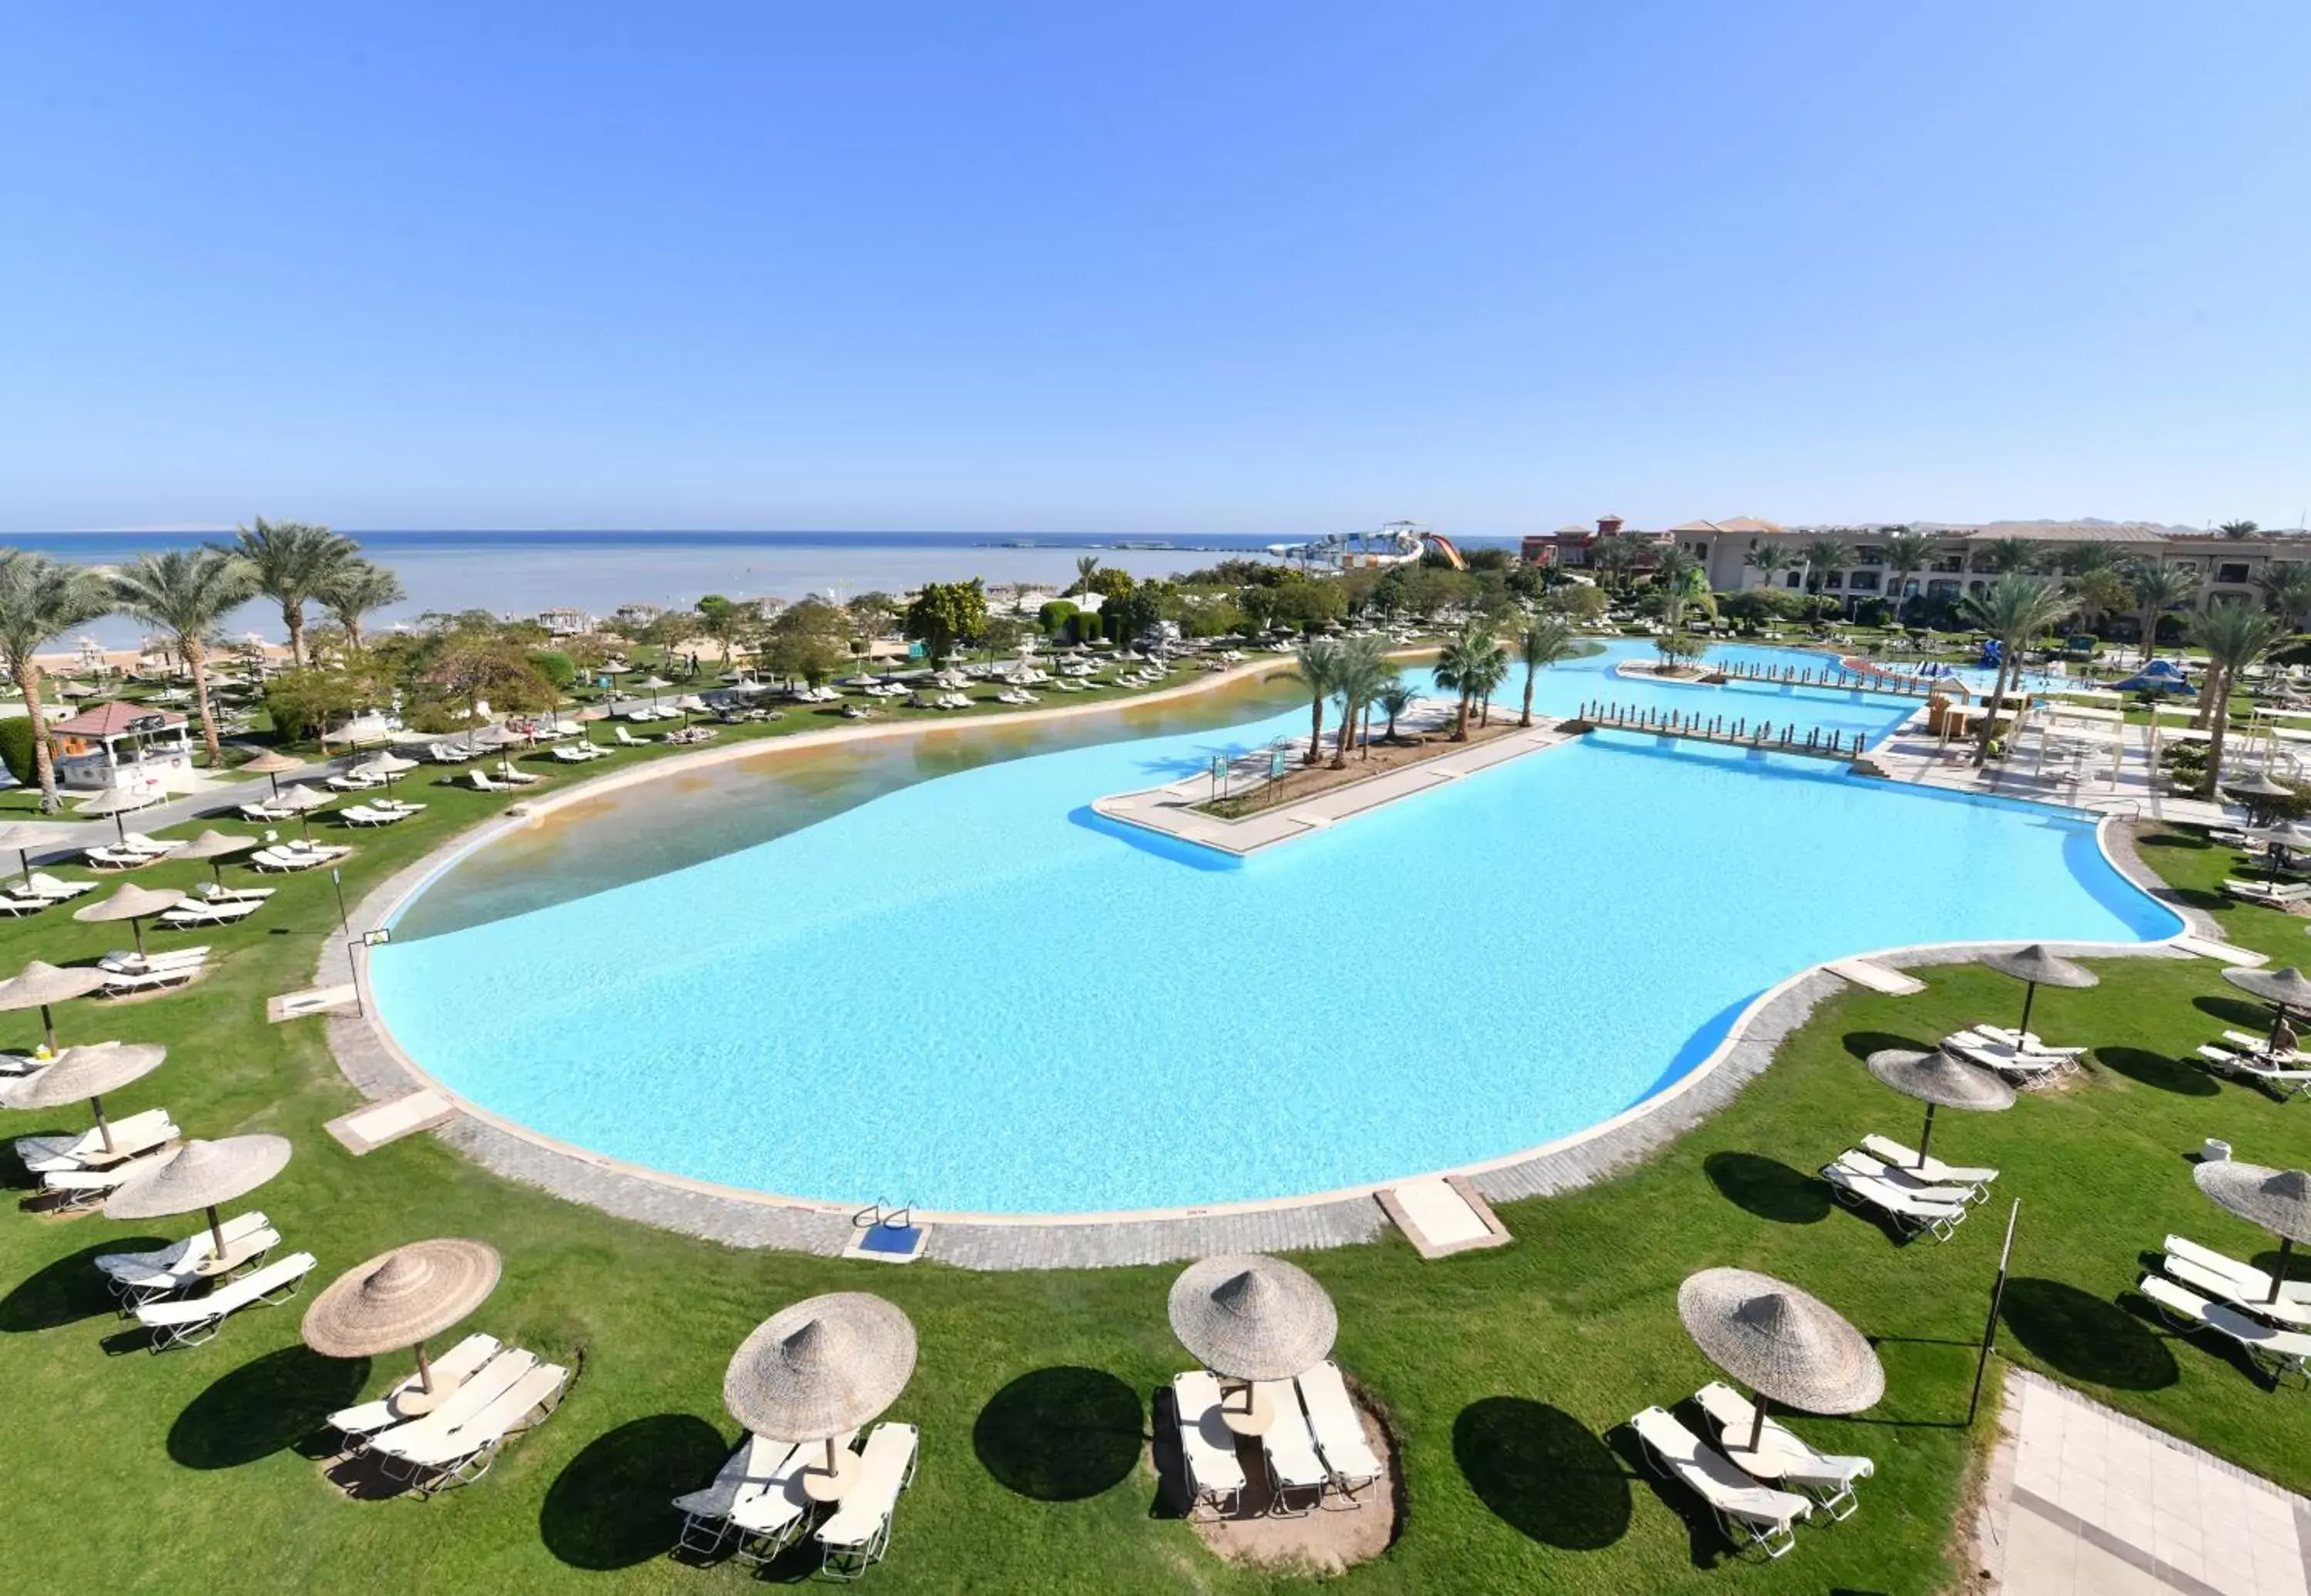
<point x="970" y="994"/>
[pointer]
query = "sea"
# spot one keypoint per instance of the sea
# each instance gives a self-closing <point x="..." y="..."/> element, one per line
<point x="518" y="574"/>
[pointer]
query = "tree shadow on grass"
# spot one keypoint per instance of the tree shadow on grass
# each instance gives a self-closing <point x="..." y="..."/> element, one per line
<point x="1861" y="1045"/>
<point x="2085" y="1337"/>
<point x="1060" y="1434"/>
<point x="2157" y="1070"/>
<point x="1769" y="1188"/>
<point x="610" y="1507"/>
<point x="2182" y="841"/>
<point x="1542" y="1472"/>
<point x="269" y="1404"/>
<point x="68" y="1290"/>
<point x="2242" y="1012"/>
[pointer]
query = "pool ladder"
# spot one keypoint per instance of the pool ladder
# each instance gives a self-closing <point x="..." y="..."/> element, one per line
<point x="880" y="1214"/>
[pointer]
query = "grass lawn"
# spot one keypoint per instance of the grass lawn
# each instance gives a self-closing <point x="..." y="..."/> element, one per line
<point x="1501" y="1373"/>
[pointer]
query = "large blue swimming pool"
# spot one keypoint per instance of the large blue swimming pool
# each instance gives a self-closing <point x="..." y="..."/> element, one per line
<point x="970" y="994"/>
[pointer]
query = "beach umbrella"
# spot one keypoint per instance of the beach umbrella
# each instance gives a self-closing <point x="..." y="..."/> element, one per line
<point x="817" y="1370"/>
<point x="2283" y="989"/>
<point x="2290" y="836"/>
<point x="1787" y="1346"/>
<point x="215" y="847"/>
<point x="387" y="765"/>
<point x="87" y="1072"/>
<point x="653" y="685"/>
<point x="1248" y="1317"/>
<point x="42" y="986"/>
<point x="134" y="903"/>
<point x="402" y="1298"/>
<point x="117" y="801"/>
<point x="200" y="1175"/>
<point x="301" y="800"/>
<point x="1939" y="1081"/>
<point x="2278" y="1199"/>
<point x="271" y="764"/>
<point x="23" y="837"/>
<point x="2257" y="791"/>
<point x="2036" y="967"/>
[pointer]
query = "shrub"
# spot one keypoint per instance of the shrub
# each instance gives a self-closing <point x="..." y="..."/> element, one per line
<point x="1055" y="615"/>
<point x="555" y="666"/>
<point x="16" y="745"/>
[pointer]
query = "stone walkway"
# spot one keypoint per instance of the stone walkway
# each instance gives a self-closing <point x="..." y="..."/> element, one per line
<point x="2085" y="1500"/>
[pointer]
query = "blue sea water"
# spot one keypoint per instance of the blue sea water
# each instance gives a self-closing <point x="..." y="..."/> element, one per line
<point x="968" y="994"/>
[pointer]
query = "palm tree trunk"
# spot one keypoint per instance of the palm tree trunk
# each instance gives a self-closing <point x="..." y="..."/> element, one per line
<point x="1391" y="726"/>
<point x="294" y="615"/>
<point x="1461" y="724"/>
<point x="353" y="624"/>
<point x="1345" y="735"/>
<point x="43" y="764"/>
<point x="197" y="661"/>
<point x="1990" y="712"/>
<point x="1315" y="731"/>
<point x="2218" y="692"/>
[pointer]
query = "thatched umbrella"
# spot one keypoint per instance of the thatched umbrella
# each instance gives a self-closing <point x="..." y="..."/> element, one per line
<point x="134" y="903"/>
<point x="87" y="1072"/>
<point x="1248" y="1317"/>
<point x="399" y="1299"/>
<point x="2257" y="792"/>
<point x="1940" y="1081"/>
<point x="271" y="764"/>
<point x="654" y="684"/>
<point x="1786" y="1345"/>
<point x="24" y="836"/>
<point x="117" y="801"/>
<point x="387" y="765"/>
<point x="2036" y="967"/>
<point x="201" y="1174"/>
<point x="2278" y="1199"/>
<point x="2285" y="989"/>
<point x="215" y="847"/>
<point x="818" y="1370"/>
<point x="42" y="986"/>
<point x="301" y="800"/>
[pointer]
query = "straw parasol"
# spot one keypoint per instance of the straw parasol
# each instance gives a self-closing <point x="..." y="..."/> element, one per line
<point x="2283" y="989"/>
<point x="2278" y="1199"/>
<point x="399" y="1299"/>
<point x="271" y="764"/>
<point x="24" y="836"/>
<point x="215" y="847"/>
<point x="134" y="903"/>
<point x="819" y="1369"/>
<point x="1939" y="1081"/>
<point x="87" y="1072"/>
<point x="387" y="765"/>
<point x="117" y="801"/>
<point x="653" y="685"/>
<point x="2036" y="967"/>
<point x="1786" y="1345"/>
<point x="201" y="1174"/>
<point x="42" y="986"/>
<point x="1248" y="1317"/>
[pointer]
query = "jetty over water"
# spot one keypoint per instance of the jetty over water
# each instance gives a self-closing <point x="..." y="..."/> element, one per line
<point x="1765" y="736"/>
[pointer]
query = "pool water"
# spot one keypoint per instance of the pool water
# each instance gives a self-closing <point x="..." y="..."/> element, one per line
<point x="969" y="993"/>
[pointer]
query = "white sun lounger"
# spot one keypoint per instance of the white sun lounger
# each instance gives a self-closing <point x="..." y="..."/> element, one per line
<point x="1931" y="1170"/>
<point x="453" y="1368"/>
<point x="1206" y="1446"/>
<point x="2023" y="1067"/>
<point x="243" y="1247"/>
<point x="2026" y="1042"/>
<point x="189" y="1321"/>
<point x="428" y="1432"/>
<point x="706" y="1511"/>
<point x="12" y="902"/>
<point x="1339" y="1432"/>
<point x="1781" y="1458"/>
<point x="137" y="1134"/>
<point x="150" y="847"/>
<point x="2220" y="1276"/>
<point x="1765" y="1516"/>
<point x="1293" y="1468"/>
<point x="465" y="1453"/>
<point x="222" y="912"/>
<point x="363" y="814"/>
<point x="1878" y="1169"/>
<point x="134" y="1273"/>
<point x="2289" y="1082"/>
<point x="215" y="893"/>
<point x="122" y="960"/>
<point x="106" y="857"/>
<point x="127" y="983"/>
<point x="2264" y="892"/>
<point x="1940" y="1220"/>
<point x="55" y="889"/>
<point x="858" y="1531"/>
<point x="771" y="1516"/>
<point x="2282" y="1352"/>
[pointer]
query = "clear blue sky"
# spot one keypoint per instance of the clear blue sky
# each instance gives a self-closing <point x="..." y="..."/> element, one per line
<point x="1153" y="267"/>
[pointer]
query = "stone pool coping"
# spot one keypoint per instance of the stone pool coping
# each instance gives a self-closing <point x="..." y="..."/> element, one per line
<point x="374" y="1062"/>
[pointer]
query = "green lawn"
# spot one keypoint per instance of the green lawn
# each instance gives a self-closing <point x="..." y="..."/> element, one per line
<point x="1501" y="1372"/>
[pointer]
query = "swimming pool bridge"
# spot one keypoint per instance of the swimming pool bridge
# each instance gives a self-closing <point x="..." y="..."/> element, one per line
<point x="1764" y="735"/>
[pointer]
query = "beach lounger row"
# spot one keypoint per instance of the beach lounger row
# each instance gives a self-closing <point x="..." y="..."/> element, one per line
<point x="579" y="753"/>
<point x="1751" y="1513"/>
<point x="2287" y="1074"/>
<point x="78" y="1191"/>
<point x="127" y="973"/>
<point x="2018" y="1055"/>
<point x="138" y="1278"/>
<point x="1315" y="1451"/>
<point x="138" y="1134"/>
<point x="217" y="911"/>
<point x="2280" y="1351"/>
<point x="284" y="857"/>
<point x="757" y="1499"/>
<point x="2267" y="892"/>
<point x="42" y="890"/>
<point x="379" y="814"/>
<point x="1884" y="1175"/>
<point x="456" y="1443"/>
<point x="189" y="1321"/>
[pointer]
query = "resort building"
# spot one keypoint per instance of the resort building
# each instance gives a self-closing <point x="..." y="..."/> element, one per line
<point x="638" y="614"/>
<point x="565" y="623"/>
<point x="122" y="744"/>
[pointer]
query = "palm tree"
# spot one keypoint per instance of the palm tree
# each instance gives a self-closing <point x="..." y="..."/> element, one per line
<point x="2158" y="589"/>
<point x="2084" y="559"/>
<point x="2239" y="529"/>
<point x="1540" y="646"/>
<point x="2098" y="592"/>
<point x="1363" y="671"/>
<point x="1768" y="560"/>
<point x="1394" y="699"/>
<point x="2287" y="589"/>
<point x="2234" y="636"/>
<point x="2007" y="556"/>
<point x="357" y="588"/>
<point x="1907" y="553"/>
<point x="1824" y="556"/>
<point x="41" y="599"/>
<point x="294" y="563"/>
<point x="1087" y="567"/>
<point x="1316" y="665"/>
<point x="186" y="592"/>
<point x="2016" y="609"/>
<point x="1472" y="665"/>
<point x="1616" y="557"/>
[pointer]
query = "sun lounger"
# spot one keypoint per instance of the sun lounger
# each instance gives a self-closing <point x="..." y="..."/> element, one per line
<point x="1913" y="1213"/>
<point x="1339" y="1432"/>
<point x="1932" y="1169"/>
<point x="1759" y="1513"/>
<point x="122" y="960"/>
<point x="482" y="783"/>
<point x="1892" y="1174"/>
<point x="2282" y="1352"/>
<point x="706" y="1511"/>
<point x="54" y="888"/>
<point x="1781" y="1458"/>
<point x="242" y="1249"/>
<point x="1207" y="1446"/>
<point x="261" y="811"/>
<point x="2288" y="1082"/>
<point x="2026" y="1042"/>
<point x="127" y="983"/>
<point x="223" y="912"/>
<point x="770" y="1516"/>
<point x="153" y="847"/>
<point x="125" y="1272"/>
<point x="453" y="1368"/>
<point x="858" y="1531"/>
<point x="133" y="1136"/>
<point x="215" y="893"/>
<point x="1294" y="1466"/>
<point x="429" y="1433"/>
<point x="466" y="1454"/>
<point x="363" y="814"/>
<point x="190" y="1322"/>
<point x="107" y="857"/>
<point x="12" y="902"/>
<point x="77" y="1191"/>
<point x="2024" y="1066"/>
<point x="2266" y="892"/>
<point x="2219" y="1274"/>
<point x="508" y="776"/>
<point x="296" y="858"/>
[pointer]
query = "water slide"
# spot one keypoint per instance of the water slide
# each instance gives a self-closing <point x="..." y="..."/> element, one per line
<point x="1442" y="544"/>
